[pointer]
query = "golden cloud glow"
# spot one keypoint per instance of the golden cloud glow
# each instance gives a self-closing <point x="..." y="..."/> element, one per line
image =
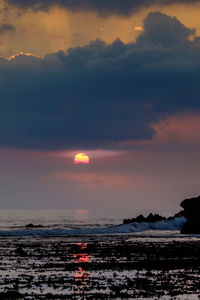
<point x="43" y="32"/>
<point x="138" y="28"/>
<point x="23" y="53"/>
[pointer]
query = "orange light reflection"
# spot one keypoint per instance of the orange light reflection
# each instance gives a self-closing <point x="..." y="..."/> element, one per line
<point x="81" y="276"/>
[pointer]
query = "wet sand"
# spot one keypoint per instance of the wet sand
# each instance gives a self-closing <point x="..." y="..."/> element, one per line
<point x="93" y="267"/>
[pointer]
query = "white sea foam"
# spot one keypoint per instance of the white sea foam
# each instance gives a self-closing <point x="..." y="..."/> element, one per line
<point x="173" y="224"/>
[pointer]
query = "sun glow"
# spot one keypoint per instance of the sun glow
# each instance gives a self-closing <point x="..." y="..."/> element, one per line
<point x="25" y="54"/>
<point x="81" y="158"/>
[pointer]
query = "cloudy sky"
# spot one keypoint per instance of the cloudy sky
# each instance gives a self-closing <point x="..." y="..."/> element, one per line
<point x="116" y="79"/>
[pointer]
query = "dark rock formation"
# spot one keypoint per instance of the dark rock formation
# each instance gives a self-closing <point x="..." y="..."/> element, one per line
<point x="33" y="226"/>
<point x="11" y="295"/>
<point x="20" y="252"/>
<point x="151" y="218"/>
<point x="192" y="214"/>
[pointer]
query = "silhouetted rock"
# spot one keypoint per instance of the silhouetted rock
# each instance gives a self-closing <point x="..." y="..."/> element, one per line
<point x="11" y="295"/>
<point x="150" y="218"/>
<point x="192" y="214"/>
<point x="19" y="251"/>
<point x="33" y="226"/>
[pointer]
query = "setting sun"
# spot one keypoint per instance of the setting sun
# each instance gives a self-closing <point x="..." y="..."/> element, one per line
<point x="81" y="158"/>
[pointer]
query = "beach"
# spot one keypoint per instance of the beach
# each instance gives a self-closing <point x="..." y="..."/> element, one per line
<point x="100" y="267"/>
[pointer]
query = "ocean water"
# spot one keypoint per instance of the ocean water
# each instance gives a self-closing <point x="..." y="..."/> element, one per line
<point x="82" y="255"/>
<point x="54" y="218"/>
<point x="78" y="222"/>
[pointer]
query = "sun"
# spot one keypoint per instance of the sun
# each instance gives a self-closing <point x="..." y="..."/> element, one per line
<point x="81" y="158"/>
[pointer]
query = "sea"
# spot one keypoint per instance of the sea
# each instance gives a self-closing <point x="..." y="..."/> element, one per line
<point x="76" y="254"/>
<point x="78" y="222"/>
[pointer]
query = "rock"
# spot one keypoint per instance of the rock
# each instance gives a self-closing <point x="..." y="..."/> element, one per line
<point x="20" y="252"/>
<point x="11" y="295"/>
<point x="33" y="226"/>
<point x="150" y="218"/>
<point x="192" y="214"/>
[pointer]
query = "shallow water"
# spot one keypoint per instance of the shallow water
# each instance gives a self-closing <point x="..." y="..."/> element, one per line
<point x="81" y="256"/>
<point x="100" y="267"/>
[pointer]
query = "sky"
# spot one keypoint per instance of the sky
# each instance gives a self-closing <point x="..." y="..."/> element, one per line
<point x="115" y="79"/>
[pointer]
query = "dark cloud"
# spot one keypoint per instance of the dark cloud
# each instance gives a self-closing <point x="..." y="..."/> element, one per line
<point x="103" y="7"/>
<point x="170" y="31"/>
<point x="6" y="27"/>
<point x="100" y="94"/>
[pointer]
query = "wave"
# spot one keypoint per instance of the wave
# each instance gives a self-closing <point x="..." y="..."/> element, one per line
<point x="172" y="224"/>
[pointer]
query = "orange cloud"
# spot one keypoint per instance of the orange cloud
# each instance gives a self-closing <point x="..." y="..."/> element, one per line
<point x="42" y="32"/>
<point x="181" y="130"/>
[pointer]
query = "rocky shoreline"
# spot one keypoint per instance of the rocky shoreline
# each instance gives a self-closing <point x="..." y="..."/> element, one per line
<point x="106" y="266"/>
<point x="88" y="268"/>
<point x="152" y="218"/>
<point x="192" y="214"/>
<point x="191" y="211"/>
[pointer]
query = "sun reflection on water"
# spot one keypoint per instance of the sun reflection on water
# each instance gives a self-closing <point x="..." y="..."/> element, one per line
<point x="81" y="276"/>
